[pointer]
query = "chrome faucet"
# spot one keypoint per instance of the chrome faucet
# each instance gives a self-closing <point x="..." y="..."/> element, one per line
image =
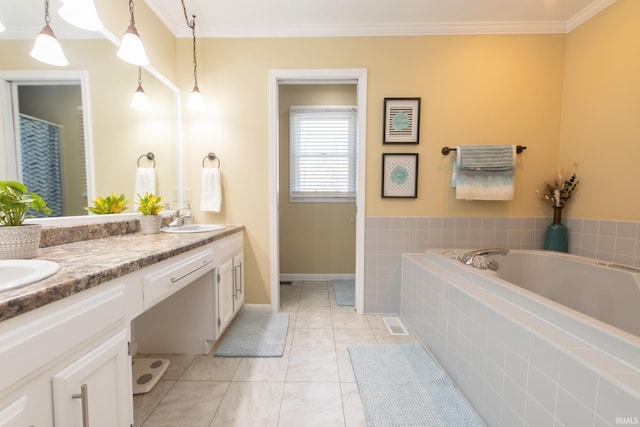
<point x="179" y="217"/>
<point x="469" y="256"/>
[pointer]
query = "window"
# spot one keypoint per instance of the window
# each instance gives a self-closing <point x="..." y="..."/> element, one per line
<point x="323" y="154"/>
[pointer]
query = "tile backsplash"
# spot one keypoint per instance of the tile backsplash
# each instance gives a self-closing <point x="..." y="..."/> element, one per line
<point x="387" y="238"/>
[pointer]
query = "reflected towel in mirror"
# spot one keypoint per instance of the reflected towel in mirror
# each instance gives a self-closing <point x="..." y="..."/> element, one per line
<point x="145" y="181"/>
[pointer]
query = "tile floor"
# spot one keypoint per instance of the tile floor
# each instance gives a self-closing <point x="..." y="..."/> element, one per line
<point x="311" y="385"/>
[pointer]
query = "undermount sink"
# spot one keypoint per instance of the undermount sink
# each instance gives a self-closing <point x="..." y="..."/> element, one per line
<point x="193" y="228"/>
<point x="15" y="273"/>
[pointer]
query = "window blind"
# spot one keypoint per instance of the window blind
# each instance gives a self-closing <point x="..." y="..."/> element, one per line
<point x="323" y="153"/>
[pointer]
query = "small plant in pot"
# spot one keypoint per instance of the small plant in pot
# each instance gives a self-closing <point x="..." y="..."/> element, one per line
<point x="19" y="241"/>
<point x="149" y="206"/>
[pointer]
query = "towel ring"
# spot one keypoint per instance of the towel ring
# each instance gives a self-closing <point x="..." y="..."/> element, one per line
<point x="211" y="157"/>
<point x="150" y="156"/>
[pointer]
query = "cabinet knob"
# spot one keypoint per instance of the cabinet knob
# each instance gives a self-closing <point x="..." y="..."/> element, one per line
<point x="84" y="398"/>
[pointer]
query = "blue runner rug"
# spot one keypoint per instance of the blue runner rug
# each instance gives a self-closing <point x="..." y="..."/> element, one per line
<point x="255" y="334"/>
<point x="401" y="385"/>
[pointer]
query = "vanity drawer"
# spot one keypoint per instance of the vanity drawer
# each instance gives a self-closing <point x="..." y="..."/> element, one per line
<point x="168" y="277"/>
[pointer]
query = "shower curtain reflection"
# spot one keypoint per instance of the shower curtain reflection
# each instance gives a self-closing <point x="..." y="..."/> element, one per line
<point x="40" y="158"/>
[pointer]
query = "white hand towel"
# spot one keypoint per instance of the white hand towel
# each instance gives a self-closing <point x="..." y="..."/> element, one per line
<point x="145" y="181"/>
<point x="211" y="190"/>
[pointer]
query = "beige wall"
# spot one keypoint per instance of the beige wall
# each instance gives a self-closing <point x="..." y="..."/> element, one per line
<point x="600" y="120"/>
<point x="315" y="238"/>
<point x="474" y="89"/>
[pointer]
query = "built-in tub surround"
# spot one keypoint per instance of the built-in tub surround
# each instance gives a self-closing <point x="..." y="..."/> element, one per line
<point x="89" y="263"/>
<point x="517" y="366"/>
<point x="387" y="238"/>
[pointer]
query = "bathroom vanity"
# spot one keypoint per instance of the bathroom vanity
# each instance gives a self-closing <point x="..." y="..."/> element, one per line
<point x="66" y="342"/>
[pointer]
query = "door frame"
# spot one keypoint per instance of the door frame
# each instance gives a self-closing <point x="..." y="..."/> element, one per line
<point x="357" y="76"/>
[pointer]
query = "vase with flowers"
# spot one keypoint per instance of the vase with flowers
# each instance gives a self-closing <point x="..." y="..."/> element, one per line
<point x="557" y="193"/>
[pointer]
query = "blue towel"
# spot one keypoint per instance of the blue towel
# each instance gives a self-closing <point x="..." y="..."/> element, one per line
<point x="486" y="157"/>
<point x="485" y="174"/>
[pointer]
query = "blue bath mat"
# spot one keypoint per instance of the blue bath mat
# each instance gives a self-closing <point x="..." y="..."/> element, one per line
<point x="345" y="290"/>
<point x="401" y="385"/>
<point x="255" y="334"/>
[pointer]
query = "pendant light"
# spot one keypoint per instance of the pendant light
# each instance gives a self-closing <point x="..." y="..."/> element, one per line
<point x="140" y="101"/>
<point x="196" y="102"/>
<point x="81" y="13"/>
<point x="46" y="47"/>
<point x="131" y="48"/>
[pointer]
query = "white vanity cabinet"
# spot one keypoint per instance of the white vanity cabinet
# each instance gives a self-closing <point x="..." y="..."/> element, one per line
<point x="47" y="354"/>
<point x="230" y="283"/>
<point x="68" y="363"/>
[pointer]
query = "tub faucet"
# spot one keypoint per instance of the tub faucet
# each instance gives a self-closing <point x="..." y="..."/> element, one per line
<point x="469" y="256"/>
<point x="180" y="216"/>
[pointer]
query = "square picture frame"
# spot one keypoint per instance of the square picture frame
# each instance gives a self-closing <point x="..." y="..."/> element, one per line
<point x="400" y="175"/>
<point x="401" y="124"/>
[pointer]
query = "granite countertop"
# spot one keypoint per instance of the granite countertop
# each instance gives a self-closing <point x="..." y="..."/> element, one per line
<point x="86" y="264"/>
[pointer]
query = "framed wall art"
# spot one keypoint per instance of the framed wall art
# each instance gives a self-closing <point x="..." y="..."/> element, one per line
<point x="400" y="175"/>
<point x="401" y="121"/>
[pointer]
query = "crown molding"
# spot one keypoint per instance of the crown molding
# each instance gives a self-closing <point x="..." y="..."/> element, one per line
<point x="587" y="13"/>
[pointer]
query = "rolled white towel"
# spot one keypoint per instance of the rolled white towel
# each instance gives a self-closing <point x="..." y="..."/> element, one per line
<point x="145" y="181"/>
<point x="211" y="190"/>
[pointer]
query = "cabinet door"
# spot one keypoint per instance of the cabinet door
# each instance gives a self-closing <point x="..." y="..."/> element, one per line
<point x="96" y="389"/>
<point x="238" y="276"/>
<point x="226" y="295"/>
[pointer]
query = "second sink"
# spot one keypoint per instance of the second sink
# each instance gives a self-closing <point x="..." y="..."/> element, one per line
<point x="194" y="228"/>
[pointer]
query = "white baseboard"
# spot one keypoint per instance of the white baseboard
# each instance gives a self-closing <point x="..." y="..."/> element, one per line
<point x="314" y="277"/>
<point x="257" y="307"/>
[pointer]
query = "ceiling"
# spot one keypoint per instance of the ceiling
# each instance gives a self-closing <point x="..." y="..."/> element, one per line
<point x="330" y="18"/>
<point x="321" y="18"/>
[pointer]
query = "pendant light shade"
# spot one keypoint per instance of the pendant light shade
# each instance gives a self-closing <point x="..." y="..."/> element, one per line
<point x="81" y="13"/>
<point x="47" y="49"/>
<point x="131" y="47"/>
<point x="140" y="101"/>
<point x="196" y="101"/>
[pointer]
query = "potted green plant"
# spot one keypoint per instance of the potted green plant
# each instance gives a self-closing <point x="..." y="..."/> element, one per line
<point x="149" y="206"/>
<point x="112" y="204"/>
<point x="17" y="240"/>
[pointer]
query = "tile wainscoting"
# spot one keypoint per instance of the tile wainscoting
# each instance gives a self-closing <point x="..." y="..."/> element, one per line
<point x="387" y="238"/>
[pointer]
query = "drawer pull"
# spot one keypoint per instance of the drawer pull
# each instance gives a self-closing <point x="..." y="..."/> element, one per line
<point x="175" y="279"/>
<point x="84" y="398"/>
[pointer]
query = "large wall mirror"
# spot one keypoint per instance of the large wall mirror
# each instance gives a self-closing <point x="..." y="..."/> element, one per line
<point x="102" y="141"/>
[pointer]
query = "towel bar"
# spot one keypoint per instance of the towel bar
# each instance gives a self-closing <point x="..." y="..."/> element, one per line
<point x="150" y="156"/>
<point x="212" y="157"/>
<point x="446" y="150"/>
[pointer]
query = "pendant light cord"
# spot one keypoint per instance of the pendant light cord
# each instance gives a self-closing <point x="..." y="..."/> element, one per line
<point x="133" y="20"/>
<point x="47" y="18"/>
<point x="192" y="24"/>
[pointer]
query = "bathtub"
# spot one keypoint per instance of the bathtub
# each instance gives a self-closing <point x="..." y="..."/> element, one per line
<point x="596" y="302"/>
<point x="542" y="324"/>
